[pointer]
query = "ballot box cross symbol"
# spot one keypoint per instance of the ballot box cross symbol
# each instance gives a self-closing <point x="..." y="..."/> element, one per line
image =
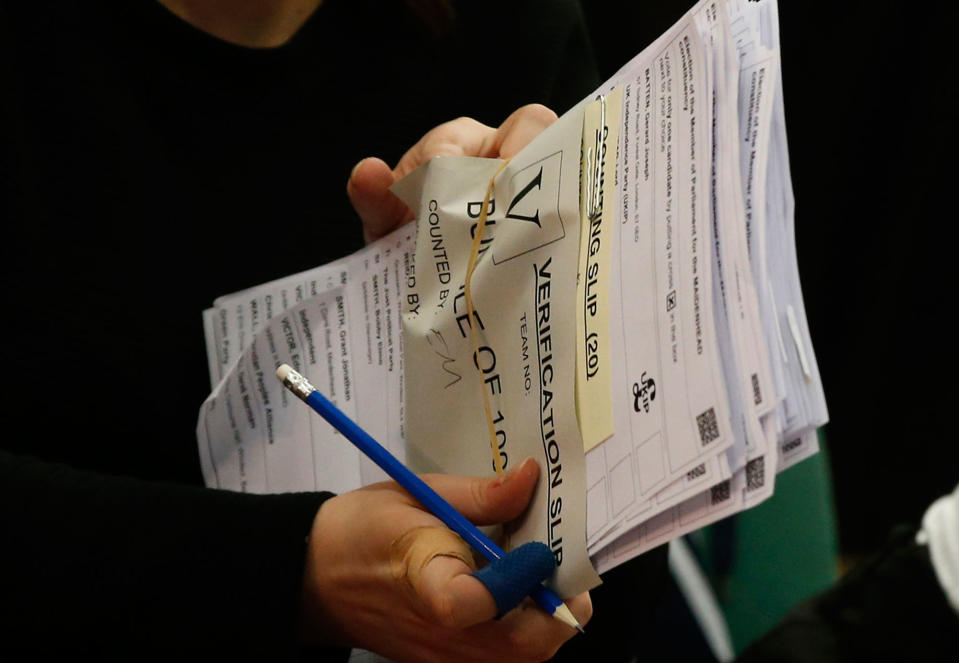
<point x="671" y="301"/>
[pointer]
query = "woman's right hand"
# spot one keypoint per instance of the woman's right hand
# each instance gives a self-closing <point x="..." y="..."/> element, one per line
<point x="386" y="575"/>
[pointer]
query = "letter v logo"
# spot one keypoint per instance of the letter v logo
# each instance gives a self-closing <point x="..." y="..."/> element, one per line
<point x="533" y="193"/>
<point x="534" y="183"/>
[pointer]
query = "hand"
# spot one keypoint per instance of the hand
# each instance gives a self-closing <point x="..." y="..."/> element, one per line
<point x="369" y="183"/>
<point x="386" y="575"/>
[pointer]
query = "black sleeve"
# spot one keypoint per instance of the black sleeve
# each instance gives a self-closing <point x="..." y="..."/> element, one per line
<point x="890" y="608"/>
<point x="130" y="569"/>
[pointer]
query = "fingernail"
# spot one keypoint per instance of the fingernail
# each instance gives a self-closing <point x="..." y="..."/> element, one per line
<point x="514" y="472"/>
<point x="357" y="167"/>
<point x="521" y="469"/>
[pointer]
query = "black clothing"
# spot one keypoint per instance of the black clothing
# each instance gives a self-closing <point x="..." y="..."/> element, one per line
<point x="131" y="569"/>
<point x="630" y="614"/>
<point x="147" y="162"/>
<point x="144" y="164"/>
<point x="891" y="608"/>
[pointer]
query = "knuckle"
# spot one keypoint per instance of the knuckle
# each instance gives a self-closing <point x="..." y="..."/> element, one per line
<point x="443" y="609"/>
<point x="438" y="146"/>
<point x="430" y="141"/>
<point x="449" y="132"/>
<point x="463" y="123"/>
<point x="478" y="491"/>
<point x="539" y="113"/>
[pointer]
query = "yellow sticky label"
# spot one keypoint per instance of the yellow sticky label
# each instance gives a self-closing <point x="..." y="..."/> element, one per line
<point x="594" y="407"/>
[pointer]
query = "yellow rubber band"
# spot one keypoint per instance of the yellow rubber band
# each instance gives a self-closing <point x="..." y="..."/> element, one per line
<point x="474" y="334"/>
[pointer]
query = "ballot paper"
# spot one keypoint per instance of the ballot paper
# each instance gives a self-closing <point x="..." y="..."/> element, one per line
<point x="339" y="326"/>
<point x="671" y="398"/>
<point x="796" y="394"/>
<point x="804" y="407"/>
<point x="620" y="300"/>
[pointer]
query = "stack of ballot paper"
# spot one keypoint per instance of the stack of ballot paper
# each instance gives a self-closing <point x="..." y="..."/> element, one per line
<point x="620" y="300"/>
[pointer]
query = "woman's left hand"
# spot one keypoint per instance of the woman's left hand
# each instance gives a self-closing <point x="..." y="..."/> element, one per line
<point x="369" y="184"/>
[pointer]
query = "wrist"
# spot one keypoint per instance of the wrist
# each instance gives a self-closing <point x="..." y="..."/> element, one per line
<point x="314" y="621"/>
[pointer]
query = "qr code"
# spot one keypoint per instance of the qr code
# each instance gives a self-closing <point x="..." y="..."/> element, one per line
<point x="697" y="471"/>
<point x="794" y="444"/>
<point x="708" y="426"/>
<point x="757" y="394"/>
<point x="755" y="474"/>
<point x="719" y="493"/>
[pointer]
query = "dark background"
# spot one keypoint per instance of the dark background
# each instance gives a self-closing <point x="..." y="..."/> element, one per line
<point x="871" y="117"/>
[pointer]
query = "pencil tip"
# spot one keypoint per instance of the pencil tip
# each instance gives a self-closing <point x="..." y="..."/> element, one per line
<point x="564" y="614"/>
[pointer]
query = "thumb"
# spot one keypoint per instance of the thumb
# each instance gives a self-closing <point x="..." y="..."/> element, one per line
<point x="369" y="192"/>
<point x="492" y="500"/>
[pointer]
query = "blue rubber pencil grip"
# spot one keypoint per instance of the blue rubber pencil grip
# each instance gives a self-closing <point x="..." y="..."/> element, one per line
<point x="517" y="574"/>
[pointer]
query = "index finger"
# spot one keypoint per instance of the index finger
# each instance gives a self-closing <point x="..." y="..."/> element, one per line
<point x="463" y="136"/>
<point x="520" y="129"/>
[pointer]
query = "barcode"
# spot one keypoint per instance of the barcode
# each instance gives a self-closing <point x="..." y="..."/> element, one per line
<point x="755" y="474"/>
<point x="697" y="471"/>
<point x="757" y="395"/>
<point x="708" y="426"/>
<point x="719" y="493"/>
<point x="789" y="446"/>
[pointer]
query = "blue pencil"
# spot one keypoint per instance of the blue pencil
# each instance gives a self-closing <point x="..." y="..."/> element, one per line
<point x="416" y="487"/>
